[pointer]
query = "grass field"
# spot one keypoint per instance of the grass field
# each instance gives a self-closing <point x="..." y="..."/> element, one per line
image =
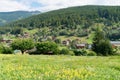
<point x="43" y="67"/>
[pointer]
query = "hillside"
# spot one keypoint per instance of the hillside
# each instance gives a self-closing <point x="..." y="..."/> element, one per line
<point x="6" y="17"/>
<point x="76" y="21"/>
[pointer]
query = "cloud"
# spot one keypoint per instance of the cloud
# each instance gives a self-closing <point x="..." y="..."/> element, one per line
<point x="56" y="4"/>
<point x="111" y="2"/>
<point x="11" y="5"/>
<point x="47" y="5"/>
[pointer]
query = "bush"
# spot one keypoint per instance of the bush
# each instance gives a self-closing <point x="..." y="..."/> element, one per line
<point x="105" y="48"/>
<point x="6" y="50"/>
<point x="117" y="54"/>
<point x="91" y="53"/>
<point x="47" y="48"/>
<point x="0" y="49"/>
<point x="64" y="51"/>
<point x="80" y="52"/>
<point x="67" y="52"/>
<point x="22" y="44"/>
<point x="71" y="53"/>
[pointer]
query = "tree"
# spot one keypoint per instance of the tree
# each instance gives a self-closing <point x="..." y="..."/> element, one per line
<point x="105" y="47"/>
<point x="16" y="30"/>
<point x="22" y="44"/>
<point x="97" y="38"/>
<point x="101" y="45"/>
<point x="47" y="48"/>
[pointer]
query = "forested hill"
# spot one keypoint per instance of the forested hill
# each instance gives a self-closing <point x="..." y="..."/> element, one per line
<point x="70" y="17"/>
<point x="82" y="20"/>
<point x="6" y="17"/>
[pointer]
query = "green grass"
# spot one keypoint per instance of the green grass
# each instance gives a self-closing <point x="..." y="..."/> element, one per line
<point x="82" y="39"/>
<point x="90" y="39"/>
<point x="44" y="67"/>
<point x="33" y="31"/>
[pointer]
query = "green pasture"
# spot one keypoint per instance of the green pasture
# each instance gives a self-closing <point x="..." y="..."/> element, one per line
<point x="49" y="67"/>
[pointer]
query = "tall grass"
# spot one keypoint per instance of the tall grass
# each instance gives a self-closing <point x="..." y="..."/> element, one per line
<point x="43" y="67"/>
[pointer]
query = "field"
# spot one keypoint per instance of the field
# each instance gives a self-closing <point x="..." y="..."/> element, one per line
<point x="44" y="67"/>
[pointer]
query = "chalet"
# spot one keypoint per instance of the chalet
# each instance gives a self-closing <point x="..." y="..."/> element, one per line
<point x="66" y="42"/>
<point x="80" y="46"/>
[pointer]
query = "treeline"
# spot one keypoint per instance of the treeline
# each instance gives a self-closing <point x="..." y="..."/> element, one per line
<point x="11" y="30"/>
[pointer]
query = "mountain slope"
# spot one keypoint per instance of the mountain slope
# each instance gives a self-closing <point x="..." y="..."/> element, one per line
<point x="73" y="15"/>
<point x="76" y="21"/>
<point x="6" y="17"/>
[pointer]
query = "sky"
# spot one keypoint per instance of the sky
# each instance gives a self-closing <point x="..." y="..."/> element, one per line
<point x="48" y="5"/>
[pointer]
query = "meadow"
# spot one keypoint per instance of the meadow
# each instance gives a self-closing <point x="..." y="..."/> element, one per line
<point x="47" y="67"/>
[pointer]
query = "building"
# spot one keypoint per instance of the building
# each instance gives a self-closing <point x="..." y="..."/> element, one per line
<point x="6" y="41"/>
<point x="80" y="46"/>
<point x="66" y="42"/>
<point x="115" y="44"/>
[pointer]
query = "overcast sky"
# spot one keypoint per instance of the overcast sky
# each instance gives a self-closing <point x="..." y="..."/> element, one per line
<point x="47" y="5"/>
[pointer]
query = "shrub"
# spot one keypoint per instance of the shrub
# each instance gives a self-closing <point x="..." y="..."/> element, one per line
<point x="117" y="54"/>
<point x="6" y="50"/>
<point x="0" y="49"/>
<point x="81" y="52"/>
<point x="105" y="48"/>
<point x="91" y="53"/>
<point x="71" y="53"/>
<point x="67" y="52"/>
<point x="47" y="48"/>
<point x="64" y="51"/>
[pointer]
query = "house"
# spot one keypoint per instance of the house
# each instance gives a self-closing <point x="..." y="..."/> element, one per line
<point x="26" y="35"/>
<point x="66" y="42"/>
<point x="2" y="41"/>
<point x="6" y="41"/>
<point x="80" y="46"/>
<point x="115" y="44"/>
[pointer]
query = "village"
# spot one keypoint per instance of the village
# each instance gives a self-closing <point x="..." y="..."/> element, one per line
<point x="75" y="43"/>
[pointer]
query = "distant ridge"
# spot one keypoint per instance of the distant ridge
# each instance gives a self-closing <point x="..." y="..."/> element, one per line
<point x="7" y="17"/>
